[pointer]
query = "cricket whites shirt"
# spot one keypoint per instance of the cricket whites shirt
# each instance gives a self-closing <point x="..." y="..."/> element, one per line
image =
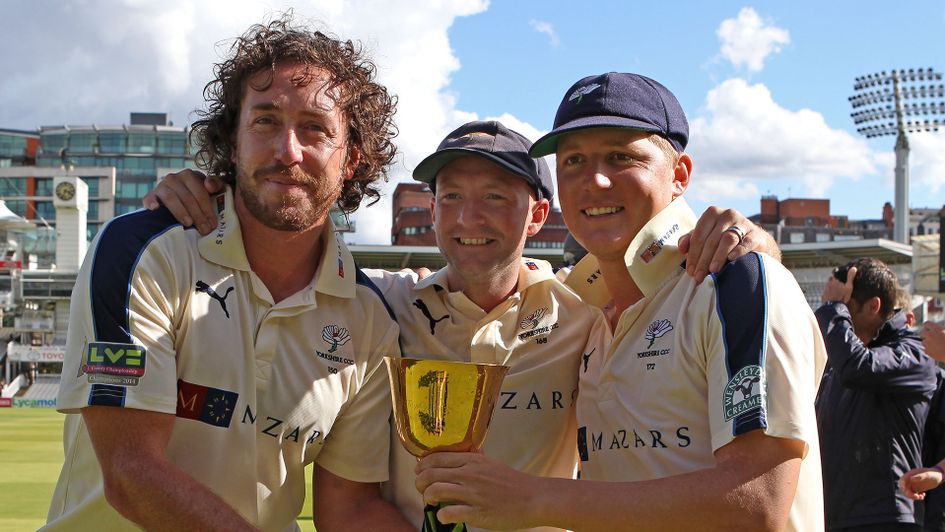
<point x="167" y="321"/>
<point x="692" y="366"/>
<point x="543" y="332"/>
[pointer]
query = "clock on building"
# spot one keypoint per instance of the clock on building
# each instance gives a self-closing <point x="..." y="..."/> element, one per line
<point x="65" y="191"/>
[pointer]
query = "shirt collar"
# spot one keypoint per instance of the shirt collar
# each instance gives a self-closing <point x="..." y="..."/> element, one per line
<point x="224" y="246"/>
<point x="651" y="257"/>
<point x="531" y="271"/>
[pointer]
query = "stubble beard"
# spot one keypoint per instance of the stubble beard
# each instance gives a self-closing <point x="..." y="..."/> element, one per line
<point x="293" y="213"/>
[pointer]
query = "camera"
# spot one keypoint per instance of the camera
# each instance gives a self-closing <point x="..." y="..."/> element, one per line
<point x="840" y="272"/>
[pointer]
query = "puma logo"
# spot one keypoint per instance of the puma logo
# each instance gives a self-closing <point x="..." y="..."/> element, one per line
<point x="426" y="312"/>
<point x="205" y="288"/>
<point x="587" y="357"/>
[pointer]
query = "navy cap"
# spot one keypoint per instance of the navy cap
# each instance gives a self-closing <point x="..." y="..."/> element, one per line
<point x="494" y="142"/>
<point x="622" y="100"/>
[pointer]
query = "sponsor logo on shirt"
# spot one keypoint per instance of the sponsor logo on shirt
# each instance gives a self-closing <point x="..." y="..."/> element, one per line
<point x="282" y="431"/>
<point x="531" y="265"/>
<point x="113" y="363"/>
<point x="341" y="263"/>
<point x="535" y="400"/>
<point x="586" y="357"/>
<point x="744" y="392"/>
<point x="221" y="220"/>
<point x="651" y="251"/>
<point x="212" y="406"/>
<point x="426" y="314"/>
<point x="631" y="438"/>
<point x="206" y="289"/>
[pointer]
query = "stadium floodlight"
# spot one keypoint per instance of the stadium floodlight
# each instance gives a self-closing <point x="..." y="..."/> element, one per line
<point x="899" y="102"/>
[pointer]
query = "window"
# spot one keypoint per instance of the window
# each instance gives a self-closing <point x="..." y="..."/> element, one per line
<point x="12" y="146"/>
<point x="92" y="182"/>
<point x="172" y="143"/>
<point x="125" y="208"/>
<point x="83" y="142"/>
<point x="53" y="142"/>
<point x="142" y="142"/>
<point x="111" y="142"/>
<point x="93" y="210"/>
<point x="44" y="187"/>
<point x="17" y="206"/>
<point x="13" y="186"/>
<point x="45" y="210"/>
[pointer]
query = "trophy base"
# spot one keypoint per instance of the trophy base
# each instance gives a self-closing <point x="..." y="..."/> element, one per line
<point x="432" y="524"/>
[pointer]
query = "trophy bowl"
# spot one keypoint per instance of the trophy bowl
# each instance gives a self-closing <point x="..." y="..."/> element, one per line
<point x="443" y="405"/>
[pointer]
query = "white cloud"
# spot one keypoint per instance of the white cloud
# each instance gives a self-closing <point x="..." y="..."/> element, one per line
<point x="546" y="28"/>
<point x="748" y="40"/>
<point x="925" y="164"/>
<point x="97" y="61"/>
<point x="745" y="137"/>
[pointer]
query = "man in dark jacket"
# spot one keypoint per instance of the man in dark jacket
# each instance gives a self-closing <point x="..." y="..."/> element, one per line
<point x="873" y="400"/>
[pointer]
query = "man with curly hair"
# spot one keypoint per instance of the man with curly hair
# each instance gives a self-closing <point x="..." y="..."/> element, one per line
<point x="204" y="373"/>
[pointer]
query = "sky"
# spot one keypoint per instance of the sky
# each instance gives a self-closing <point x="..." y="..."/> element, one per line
<point x="765" y="84"/>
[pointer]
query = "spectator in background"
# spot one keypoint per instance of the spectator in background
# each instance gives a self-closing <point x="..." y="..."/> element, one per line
<point x="933" y="339"/>
<point x="873" y="400"/>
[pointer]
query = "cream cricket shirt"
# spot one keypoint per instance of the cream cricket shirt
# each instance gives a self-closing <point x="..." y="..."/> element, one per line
<point x="167" y="321"/>
<point x="541" y="331"/>
<point x="693" y="366"/>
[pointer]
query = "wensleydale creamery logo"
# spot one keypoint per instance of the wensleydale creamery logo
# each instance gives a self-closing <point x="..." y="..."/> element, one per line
<point x="746" y="391"/>
<point x="336" y="336"/>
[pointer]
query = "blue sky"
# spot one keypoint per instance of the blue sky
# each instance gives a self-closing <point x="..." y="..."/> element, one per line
<point x="765" y="84"/>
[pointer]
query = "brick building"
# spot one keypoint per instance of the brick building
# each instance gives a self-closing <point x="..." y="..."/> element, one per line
<point x="412" y="221"/>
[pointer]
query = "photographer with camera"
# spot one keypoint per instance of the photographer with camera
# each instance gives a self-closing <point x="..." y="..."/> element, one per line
<point x="873" y="399"/>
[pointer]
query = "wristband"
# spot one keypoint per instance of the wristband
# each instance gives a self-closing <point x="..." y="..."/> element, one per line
<point x="939" y="469"/>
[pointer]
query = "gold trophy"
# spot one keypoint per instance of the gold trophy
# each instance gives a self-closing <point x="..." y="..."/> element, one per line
<point x="442" y="406"/>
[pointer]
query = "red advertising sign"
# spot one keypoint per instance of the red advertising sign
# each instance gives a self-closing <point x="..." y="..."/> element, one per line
<point x="6" y="402"/>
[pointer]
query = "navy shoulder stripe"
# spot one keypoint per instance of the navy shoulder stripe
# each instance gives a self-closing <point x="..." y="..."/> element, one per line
<point x="116" y="255"/>
<point x="742" y="306"/>
<point x="362" y="279"/>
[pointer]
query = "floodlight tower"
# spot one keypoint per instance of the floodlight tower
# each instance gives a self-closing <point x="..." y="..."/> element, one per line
<point x="879" y="111"/>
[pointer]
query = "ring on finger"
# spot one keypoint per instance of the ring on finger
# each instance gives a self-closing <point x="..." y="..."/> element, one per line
<point x="738" y="231"/>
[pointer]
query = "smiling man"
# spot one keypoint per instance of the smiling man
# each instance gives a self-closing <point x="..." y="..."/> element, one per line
<point x="491" y="304"/>
<point x="202" y="375"/>
<point x="699" y="414"/>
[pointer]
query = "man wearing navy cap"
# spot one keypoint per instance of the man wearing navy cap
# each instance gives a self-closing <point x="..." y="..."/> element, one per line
<point x="700" y="413"/>
<point x="489" y="304"/>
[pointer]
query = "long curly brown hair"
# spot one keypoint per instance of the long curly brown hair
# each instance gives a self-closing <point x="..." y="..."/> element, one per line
<point x="366" y="105"/>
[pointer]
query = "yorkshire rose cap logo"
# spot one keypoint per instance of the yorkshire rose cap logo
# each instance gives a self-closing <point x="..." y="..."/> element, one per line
<point x="336" y="336"/>
<point x="579" y="93"/>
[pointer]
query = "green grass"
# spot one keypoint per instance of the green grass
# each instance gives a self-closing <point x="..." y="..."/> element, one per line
<point x="30" y="460"/>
